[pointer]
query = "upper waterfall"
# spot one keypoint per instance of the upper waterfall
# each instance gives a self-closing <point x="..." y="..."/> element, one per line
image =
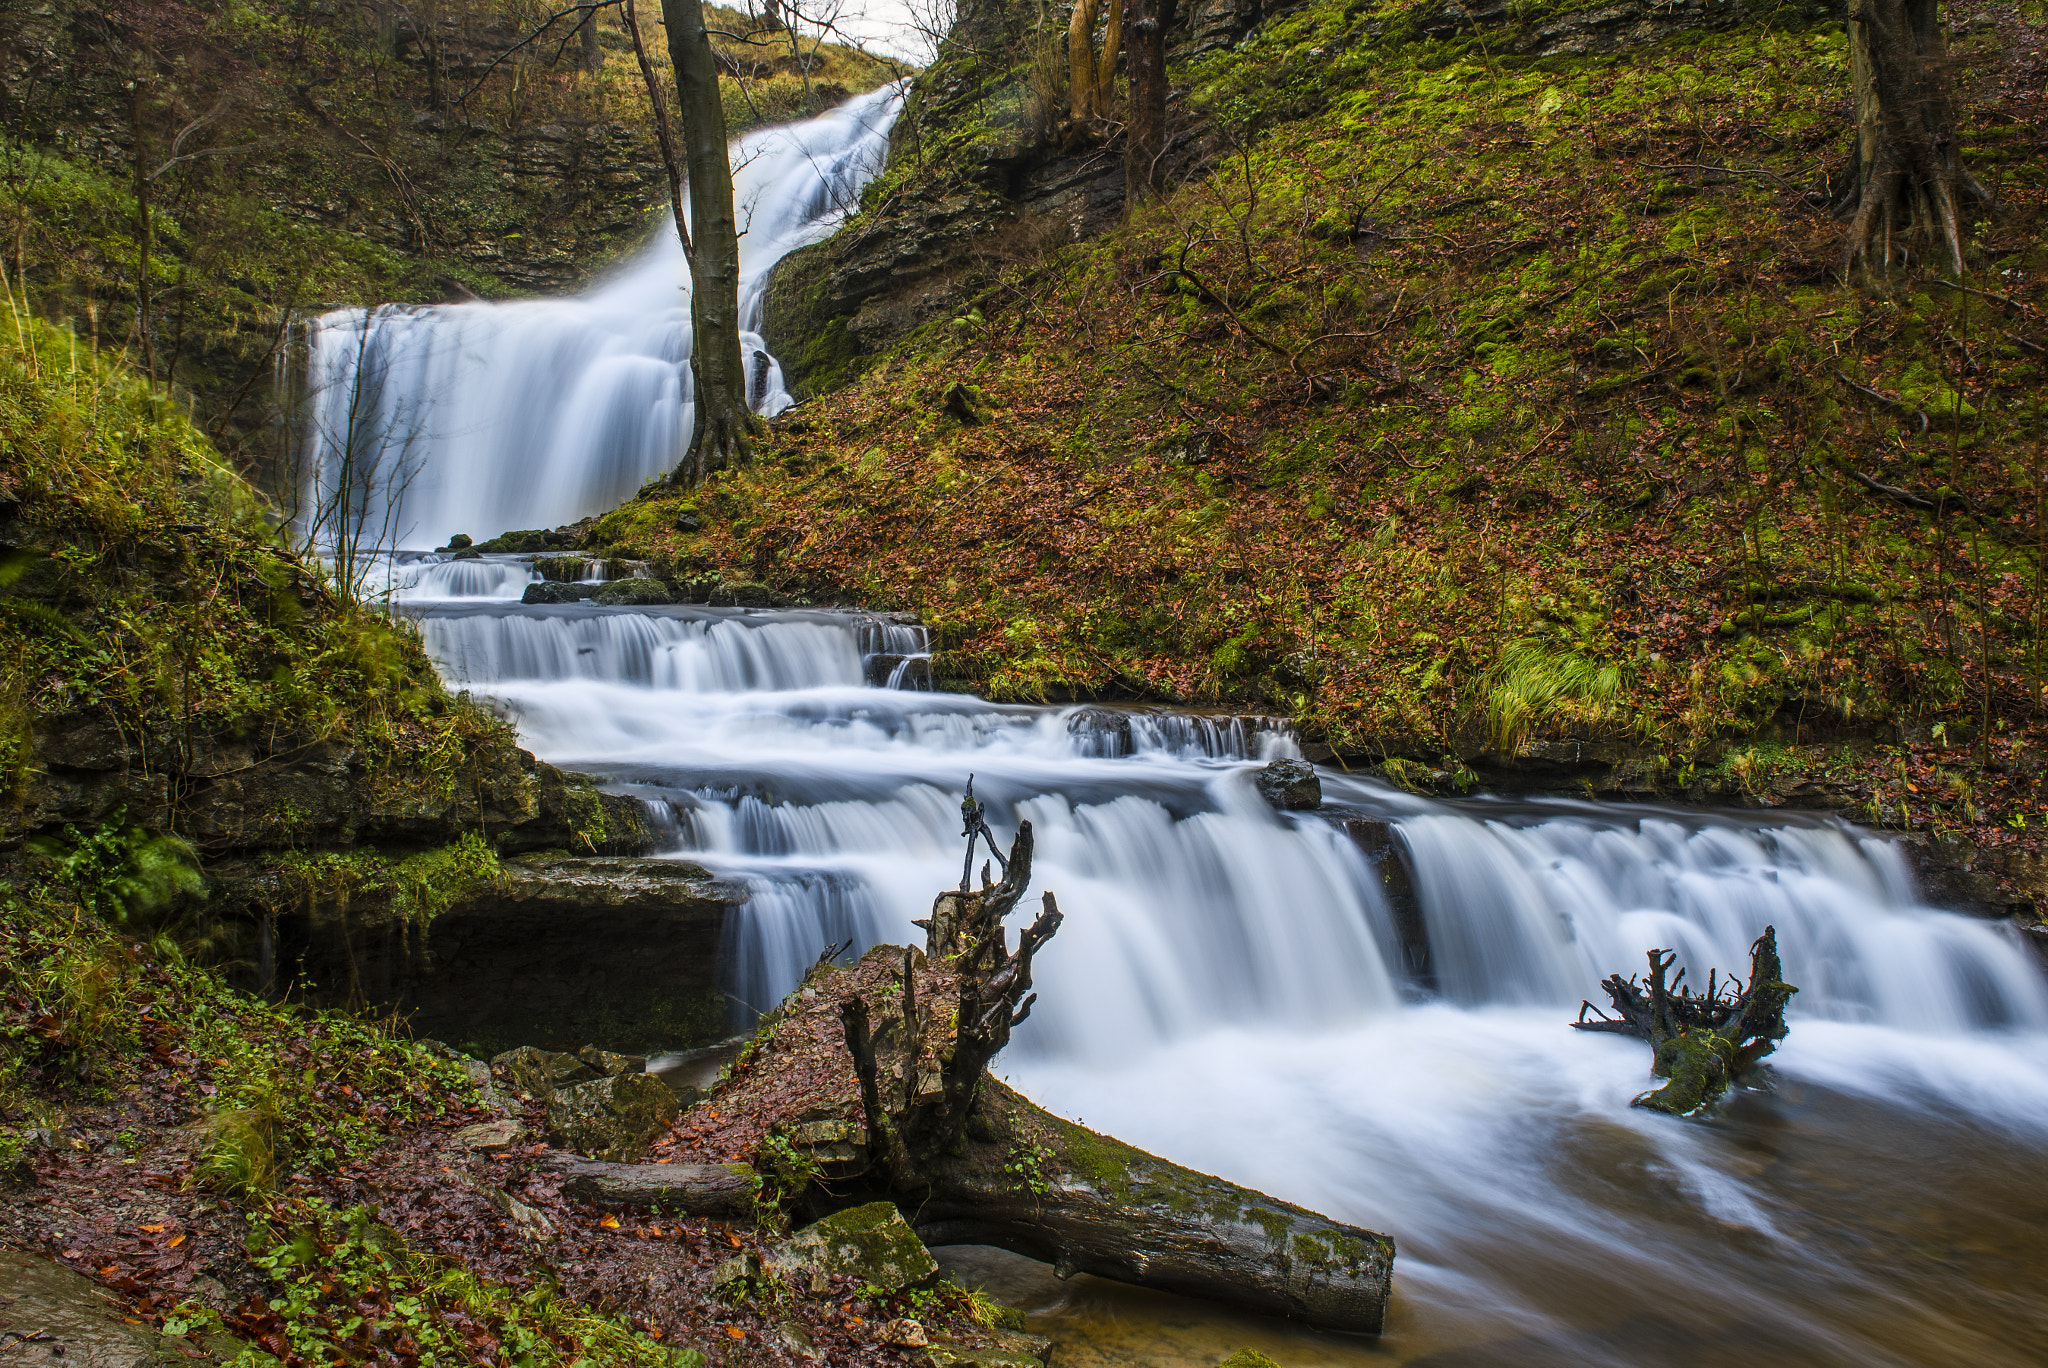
<point x="483" y="418"/>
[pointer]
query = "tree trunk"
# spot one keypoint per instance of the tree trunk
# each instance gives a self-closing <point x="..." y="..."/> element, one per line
<point x="593" y="55"/>
<point x="1105" y="70"/>
<point x="1036" y="1185"/>
<point x="1145" y="125"/>
<point x="1908" y="186"/>
<point x="1081" y="60"/>
<point x="723" y="432"/>
<point x="725" y="1191"/>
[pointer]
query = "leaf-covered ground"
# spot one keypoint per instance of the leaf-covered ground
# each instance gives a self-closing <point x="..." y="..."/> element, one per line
<point x="1468" y="400"/>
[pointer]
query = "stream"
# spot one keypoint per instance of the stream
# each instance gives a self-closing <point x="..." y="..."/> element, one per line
<point x="1235" y="988"/>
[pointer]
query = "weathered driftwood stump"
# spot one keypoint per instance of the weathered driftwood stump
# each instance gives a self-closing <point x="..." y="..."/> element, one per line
<point x="874" y="1077"/>
<point x="1705" y="1043"/>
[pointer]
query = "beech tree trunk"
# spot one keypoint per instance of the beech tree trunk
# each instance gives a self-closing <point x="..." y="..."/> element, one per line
<point x="1081" y="60"/>
<point x="725" y="426"/>
<point x="1908" y="188"/>
<point x="1105" y="67"/>
<point x="1145" y="24"/>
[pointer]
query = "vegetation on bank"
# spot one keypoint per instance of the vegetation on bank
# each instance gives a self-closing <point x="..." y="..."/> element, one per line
<point x="1464" y="402"/>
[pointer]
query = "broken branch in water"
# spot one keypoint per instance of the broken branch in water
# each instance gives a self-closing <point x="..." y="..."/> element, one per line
<point x="1707" y="1042"/>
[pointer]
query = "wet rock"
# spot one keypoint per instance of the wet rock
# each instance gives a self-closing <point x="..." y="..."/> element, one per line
<point x="541" y="1073"/>
<point x="904" y="1334"/>
<point x="689" y="521"/>
<point x="50" y="1314"/>
<point x="1100" y="733"/>
<point x="611" y="1065"/>
<point x="633" y="592"/>
<point x="461" y="541"/>
<point x="1005" y="1349"/>
<point x="615" y="1119"/>
<point x="490" y="1137"/>
<point x="1247" y="1358"/>
<point x="552" y="591"/>
<point x="872" y="1243"/>
<point x="1290" y="785"/>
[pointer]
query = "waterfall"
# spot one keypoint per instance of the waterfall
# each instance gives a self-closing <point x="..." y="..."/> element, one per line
<point x="1246" y="991"/>
<point x="485" y="418"/>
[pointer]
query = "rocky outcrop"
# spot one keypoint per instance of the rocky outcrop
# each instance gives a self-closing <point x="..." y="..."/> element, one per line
<point x="53" y="1315"/>
<point x="560" y="949"/>
<point x="616" y="1119"/>
<point x="872" y="1243"/>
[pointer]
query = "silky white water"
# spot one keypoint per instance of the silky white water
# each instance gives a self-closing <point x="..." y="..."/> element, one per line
<point x="486" y="418"/>
<point x="1233" y="989"/>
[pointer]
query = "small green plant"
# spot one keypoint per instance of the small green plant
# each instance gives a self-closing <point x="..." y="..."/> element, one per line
<point x="1534" y="683"/>
<point x="1027" y="1166"/>
<point x="115" y="870"/>
<point x="783" y="1171"/>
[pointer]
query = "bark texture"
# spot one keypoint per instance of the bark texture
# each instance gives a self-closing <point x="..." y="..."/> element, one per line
<point x="724" y="1191"/>
<point x="723" y="433"/>
<point x="1908" y="190"/>
<point x="1707" y="1042"/>
<point x="1146" y="23"/>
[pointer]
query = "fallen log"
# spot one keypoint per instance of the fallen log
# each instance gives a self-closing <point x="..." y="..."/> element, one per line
<point x="1034" y="1184"/>
<point x="724" y="1191"/>
<point x="1704" y="1043"/>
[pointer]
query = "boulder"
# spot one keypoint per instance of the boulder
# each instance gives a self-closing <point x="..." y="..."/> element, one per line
<point x="50" y="1314"/>
<point x="633" y="592"/>
<point x="615" y="1119"/>
<point x="541" y="1073"/>
<point x="554" y="591"/>
<point x="461" y="541"/>
<point x="490" y="1137"/>
<point x="1247" y="1358"/>
<point x="872" y="1243"/>
<point x="1290" y="785"/>
<point x="612" y="1065"/>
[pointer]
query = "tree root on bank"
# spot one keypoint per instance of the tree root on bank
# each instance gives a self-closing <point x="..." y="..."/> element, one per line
<point x="1707" y="1042"/>
<point x="870" y="1081"/>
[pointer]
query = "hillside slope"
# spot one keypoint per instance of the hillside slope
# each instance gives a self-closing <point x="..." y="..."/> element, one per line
<point x="1490" y="413"/>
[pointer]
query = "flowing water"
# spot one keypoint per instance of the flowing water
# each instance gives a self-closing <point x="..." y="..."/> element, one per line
<point x="486" y="418"/>
<point x="1236" y="988"/>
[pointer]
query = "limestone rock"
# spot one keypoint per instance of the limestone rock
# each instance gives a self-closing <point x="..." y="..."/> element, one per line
<point x="490" y="1137"/>
<point x="1290" y="785"/>
<point x="540" y="1073"/>
<point x="872" y="1243"/>
<point x="616" y="1119"/>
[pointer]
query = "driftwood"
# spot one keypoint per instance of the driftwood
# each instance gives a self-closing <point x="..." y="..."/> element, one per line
<point x="725" y="1191"/>
<point x="1707" y="1042"/>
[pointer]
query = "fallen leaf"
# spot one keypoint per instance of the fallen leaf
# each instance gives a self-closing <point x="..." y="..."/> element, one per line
<point x="174" y="1242"/>
<point x="733" y="1238"/>
<point x="735" y="1332"/>
<point x="151" y="1230"/>
<point x="610" y="1223"/>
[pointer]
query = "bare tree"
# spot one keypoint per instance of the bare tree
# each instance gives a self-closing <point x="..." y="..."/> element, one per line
<point x="1908" y="184"/>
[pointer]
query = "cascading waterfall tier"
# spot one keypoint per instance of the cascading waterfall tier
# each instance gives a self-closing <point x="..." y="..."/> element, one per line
<point x="484" y="418"/>
<point x="1247" y="992"/>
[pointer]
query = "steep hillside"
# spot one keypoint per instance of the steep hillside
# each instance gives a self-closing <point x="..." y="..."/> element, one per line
<point x="1488" y="398"/>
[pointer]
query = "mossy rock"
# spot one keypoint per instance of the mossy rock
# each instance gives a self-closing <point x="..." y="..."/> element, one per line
<point x="1247" y="1358"/>
<point x="873" y="1243"/>
<point x="634" y="592"/>
<point x="616" y="1119"/>
<point x="539" y="1073"/>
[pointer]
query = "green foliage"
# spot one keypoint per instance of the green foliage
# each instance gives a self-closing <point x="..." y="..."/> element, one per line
<point x="1534" y="684"/>
<point x="1026" y="1167"/>
<point x="782" y="1173"/>
<point x="344" y="1286"/>
<point x="116" y="870"/>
